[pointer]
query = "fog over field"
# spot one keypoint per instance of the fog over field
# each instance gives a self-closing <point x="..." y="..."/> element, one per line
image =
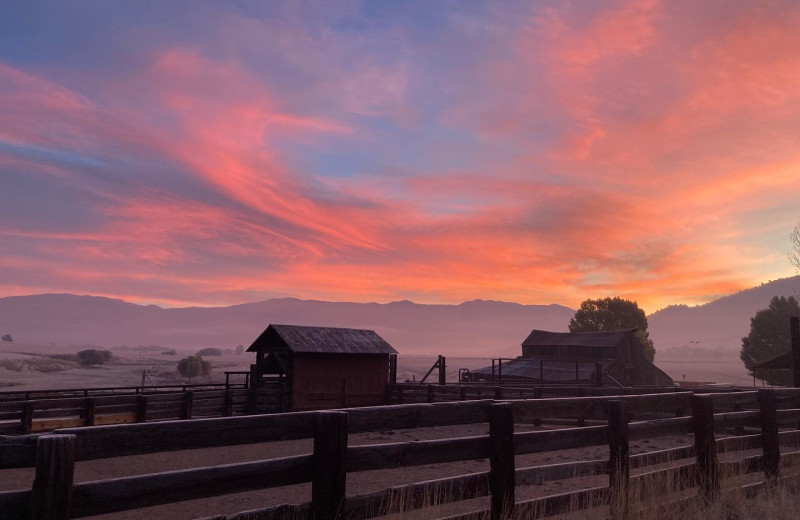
<point x="698" y="343"/>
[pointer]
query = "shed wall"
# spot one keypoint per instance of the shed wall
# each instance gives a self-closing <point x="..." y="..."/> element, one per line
<point x="334" y="380"/>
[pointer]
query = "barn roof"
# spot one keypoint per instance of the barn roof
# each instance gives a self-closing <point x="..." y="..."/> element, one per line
<point x="611" y="338"/>
<point x="532" y="368"/>
<point x="327" y="340"/>
<point x="782" y="361"/>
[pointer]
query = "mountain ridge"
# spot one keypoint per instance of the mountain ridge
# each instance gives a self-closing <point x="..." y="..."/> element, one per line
<point x="474" y="327"/>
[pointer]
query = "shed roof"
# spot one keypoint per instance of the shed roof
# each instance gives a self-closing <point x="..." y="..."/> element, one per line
<point x="533" y="368"/>
<point x="610" y="338"/>
<point x="327" y="340"/>
<point x="782" y="361"/>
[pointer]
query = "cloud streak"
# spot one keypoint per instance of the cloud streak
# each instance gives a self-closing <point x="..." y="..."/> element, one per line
<point x="538" y="154"/>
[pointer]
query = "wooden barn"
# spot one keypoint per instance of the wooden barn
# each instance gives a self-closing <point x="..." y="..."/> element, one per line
<point x="324" y="367"/>
<point x="562" y="357"/>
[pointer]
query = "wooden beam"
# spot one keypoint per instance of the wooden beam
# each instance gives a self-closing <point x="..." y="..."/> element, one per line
<point x="330" y="465"/>
<point x="27" y="417"/>
<point x="619" y="465"/>
<point x="125" y="493"/>
<point x="501" y="460"/>
<point x="88" y="417"/>
<point x="770" y="441"/>
<point x="51" y="495"/>
<point x="705" y="447"/>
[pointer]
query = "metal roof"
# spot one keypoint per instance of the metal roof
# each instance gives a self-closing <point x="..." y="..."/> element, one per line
<point x="327" y="340"/>
<point x="532" y="368"/>
<point x="610" y="338"/>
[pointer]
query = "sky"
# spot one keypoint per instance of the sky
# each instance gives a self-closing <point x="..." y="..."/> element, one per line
<point x="215" y="153"/>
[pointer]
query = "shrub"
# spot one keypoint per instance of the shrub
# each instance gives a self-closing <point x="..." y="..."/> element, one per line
<point x="193" y="366"/>
<point x="93" y="357"/>
<point x="209" y="352"/>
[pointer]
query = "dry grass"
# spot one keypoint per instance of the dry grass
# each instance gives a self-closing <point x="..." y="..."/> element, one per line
<point x="44" y="365"/>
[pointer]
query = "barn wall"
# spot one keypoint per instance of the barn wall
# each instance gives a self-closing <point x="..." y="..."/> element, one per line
<point x="335" y="380"/>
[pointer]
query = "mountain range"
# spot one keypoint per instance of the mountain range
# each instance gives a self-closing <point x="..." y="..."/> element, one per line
<point x="476" y="328"/>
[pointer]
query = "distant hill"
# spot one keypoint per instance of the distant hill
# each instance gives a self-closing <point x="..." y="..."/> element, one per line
<point x="717" y="326"/>
<point x="476" y="328"/>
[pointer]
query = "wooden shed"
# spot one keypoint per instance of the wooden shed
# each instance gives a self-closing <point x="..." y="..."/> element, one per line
<point x="561" y="357"/>
<point x="324" y="367"/>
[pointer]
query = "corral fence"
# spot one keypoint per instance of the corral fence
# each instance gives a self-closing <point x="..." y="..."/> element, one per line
<point x="37" y="411"/>
<point x="766" y="420"/>
<point x="45" y="410"/>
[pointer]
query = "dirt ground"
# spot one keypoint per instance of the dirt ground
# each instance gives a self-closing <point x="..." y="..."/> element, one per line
<point x="357" y="483"/>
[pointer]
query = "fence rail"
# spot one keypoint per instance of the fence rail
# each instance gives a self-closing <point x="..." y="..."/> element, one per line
<point x="94" y="407"/>
<point x="54" y="455"/>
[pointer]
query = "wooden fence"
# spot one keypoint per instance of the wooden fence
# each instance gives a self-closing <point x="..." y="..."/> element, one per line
<point x="93" y="407"/>
<point x="44" y="410"/>
<point x="55" y="496"/>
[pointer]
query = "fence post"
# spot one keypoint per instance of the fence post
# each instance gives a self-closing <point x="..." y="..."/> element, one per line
<point x="619" y="466"/>
<point x="88" y="415"/>
<point x="501" y="460"/>
<point x="400" y="396"/>
<point x="141" y="408"/>
<point x="430" y="393"/>
<point x="442" y="373"/>
<point x="705" y="446"/>
<point x="27" y="417"/>
<point x="463" y="394"/>
<point x="330" y="461"/>
<point x="51" y="495"/>
<point x="188" y="401"/>
<point x="598" y="374"/>
<point x="252" y="400"/>
<point x="228" y="403"/>
<point x="770" y="440"/>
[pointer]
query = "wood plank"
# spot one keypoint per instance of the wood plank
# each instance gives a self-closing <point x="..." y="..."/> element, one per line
<point x="660" y="427"/>
<point x="651" y="458"/>
<point x="415" y="453"/>
<point x="740" y="443"/>
<point x="501" y="460"/>
<point x="329" y="475"/>
<point x="15" y="504"/>
<point x="51" y="495"/>
<point x="45" y="425"/>
<point x="122" y="494"/>
<point x="18" y="451"/>
<point x="117" y="418"/>
<point x="770" y="440"/>
<point x="705" y="447"/>
<point x="536" y="475"/>
<point x="619" y="467"/>
<point x="551" y="440"/>
<point x="131" y="439"/>
<point x="734" y="419"/>
<point x="393" y="417"/>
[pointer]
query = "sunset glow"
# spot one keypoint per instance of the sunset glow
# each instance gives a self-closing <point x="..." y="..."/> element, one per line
<point x="536" y="152"/>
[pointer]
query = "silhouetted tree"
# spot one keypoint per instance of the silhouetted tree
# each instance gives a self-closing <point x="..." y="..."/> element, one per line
<point x="769" y="334"/>
<point x="7" y="338"/>
<point x="93" y="357"/>
<point x="193" y="366"/>
<point x="613" y="314"/>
